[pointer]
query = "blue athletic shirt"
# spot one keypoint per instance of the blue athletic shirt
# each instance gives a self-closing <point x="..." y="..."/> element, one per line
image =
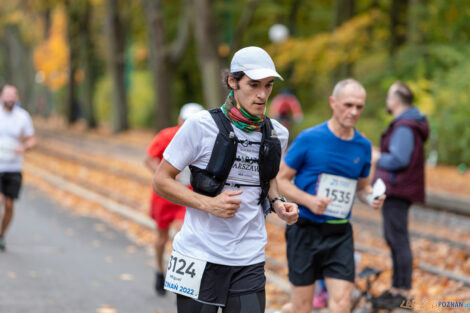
<point x="317" y="150"/>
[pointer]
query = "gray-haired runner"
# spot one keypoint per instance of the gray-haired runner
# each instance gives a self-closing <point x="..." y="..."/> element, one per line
<point x="330" y="163"/>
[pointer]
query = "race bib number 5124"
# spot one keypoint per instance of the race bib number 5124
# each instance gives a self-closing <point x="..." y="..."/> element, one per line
<point x="341" y="190"/>
<point x="184" y="275"/>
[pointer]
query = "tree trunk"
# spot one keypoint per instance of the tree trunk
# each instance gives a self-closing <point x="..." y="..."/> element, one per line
<point x="245" y="20"/>
<point x="417" y="14"/>
<point x="46" y="102"/>
<point x="208" y="59"/>
<point x="398" y="24"/>
<point x="72" y="105"/>
<point x="18" y="66"/>
<point x="116" y="37"/>
<point x="7" y="56"/>
<point x="293" y="16"/>
<point x="87" y="43"/>
<point x="165" y="56"/>
<point x="344" y="10"/>
<point x="160" y="63"/>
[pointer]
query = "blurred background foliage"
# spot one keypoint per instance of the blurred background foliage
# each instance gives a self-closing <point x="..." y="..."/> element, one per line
<point x="135" y="63"/>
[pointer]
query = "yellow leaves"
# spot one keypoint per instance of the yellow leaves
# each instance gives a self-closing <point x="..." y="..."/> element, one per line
<point x="14" y="17"/>
<point x="51" y="57"/>
<point x="322" y="53"/>
<point x="423" y="97"/>
<point x="12" y="14"/>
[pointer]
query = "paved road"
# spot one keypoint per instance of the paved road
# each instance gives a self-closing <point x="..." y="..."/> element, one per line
<point x="59" y="263"/>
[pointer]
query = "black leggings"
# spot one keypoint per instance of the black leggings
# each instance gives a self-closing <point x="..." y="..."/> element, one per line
<point x="248" y="303"/>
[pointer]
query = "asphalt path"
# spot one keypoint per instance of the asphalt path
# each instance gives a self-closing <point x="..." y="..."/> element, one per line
<point x="57" y="262"/>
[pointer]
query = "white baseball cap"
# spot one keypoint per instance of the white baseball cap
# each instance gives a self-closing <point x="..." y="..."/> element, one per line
<point x="190" y="109"/>
<point x="254" y="62"/>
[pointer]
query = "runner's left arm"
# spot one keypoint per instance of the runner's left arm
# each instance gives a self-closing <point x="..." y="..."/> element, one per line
<point x="26" y="144"/>
<point x="364" y="189"/>
<point x="28" y="140"/>
<point x="287" y="211"/>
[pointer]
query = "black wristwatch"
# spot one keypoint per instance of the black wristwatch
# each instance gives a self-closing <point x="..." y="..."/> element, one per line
<point x="275" y="199"/>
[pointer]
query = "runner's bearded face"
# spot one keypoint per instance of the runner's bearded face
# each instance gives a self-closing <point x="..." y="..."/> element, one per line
<point x="253" y="94"/>
<point x="348" y="107"/>
<point x="9" y="97"/>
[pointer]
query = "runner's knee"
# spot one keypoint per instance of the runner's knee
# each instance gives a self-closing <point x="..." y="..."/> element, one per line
<point x="9" y="204"/>
<point x="340" y="302"/>
<point x="162" y="237"/>
<point x="178" y="225"/>
<point x="337" y="305"/>
<point x="302" y="306"/>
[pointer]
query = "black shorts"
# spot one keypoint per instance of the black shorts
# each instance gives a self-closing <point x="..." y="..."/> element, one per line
<point x="222" y="281"/>
<point x="319" y="250"/>
<point x="10" y="184"/>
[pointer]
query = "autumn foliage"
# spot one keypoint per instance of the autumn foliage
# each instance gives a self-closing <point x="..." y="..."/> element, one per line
<point x="51" y="56"/>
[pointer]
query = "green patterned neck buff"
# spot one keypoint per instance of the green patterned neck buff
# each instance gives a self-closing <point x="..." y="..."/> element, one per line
<point x="240" y="117"/>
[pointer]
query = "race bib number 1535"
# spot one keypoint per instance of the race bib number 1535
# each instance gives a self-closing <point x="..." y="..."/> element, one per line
<point x="341" y="190"/>
<point x="184" y="275"/>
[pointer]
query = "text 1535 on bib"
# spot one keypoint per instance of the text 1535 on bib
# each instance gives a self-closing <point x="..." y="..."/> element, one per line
<point x="341" y="190"/>
<point x="184" y="275"/>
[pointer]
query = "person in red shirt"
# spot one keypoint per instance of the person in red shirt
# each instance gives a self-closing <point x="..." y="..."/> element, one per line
<point x="285" y="107"/>
<point x="162" y="211"/>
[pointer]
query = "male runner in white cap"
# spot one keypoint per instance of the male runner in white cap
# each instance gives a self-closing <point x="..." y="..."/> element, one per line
<point x="234" y="154"/>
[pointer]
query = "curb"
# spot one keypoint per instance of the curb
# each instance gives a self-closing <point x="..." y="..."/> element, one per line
<point x="448" y="202"/>
<point x="110" y="205"/>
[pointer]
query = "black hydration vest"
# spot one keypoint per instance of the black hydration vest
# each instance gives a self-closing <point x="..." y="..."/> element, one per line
<point x="211" y="181"/>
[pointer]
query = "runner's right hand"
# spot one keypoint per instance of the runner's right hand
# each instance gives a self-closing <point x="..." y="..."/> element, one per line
<point x="318" y="204"/>
<point x="225" y="205"/>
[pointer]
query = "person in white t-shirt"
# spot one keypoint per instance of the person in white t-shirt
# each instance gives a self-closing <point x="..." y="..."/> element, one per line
<point x="16" y="137"/>
<point x="218" y="256"/>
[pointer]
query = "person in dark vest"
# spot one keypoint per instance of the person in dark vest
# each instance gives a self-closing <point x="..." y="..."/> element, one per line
<point x="400" y="164"/>
<point x="233" y="153"/>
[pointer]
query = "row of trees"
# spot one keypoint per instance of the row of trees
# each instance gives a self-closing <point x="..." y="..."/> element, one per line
<point x="133" y="63"/>
<point x="114" y="26"/>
